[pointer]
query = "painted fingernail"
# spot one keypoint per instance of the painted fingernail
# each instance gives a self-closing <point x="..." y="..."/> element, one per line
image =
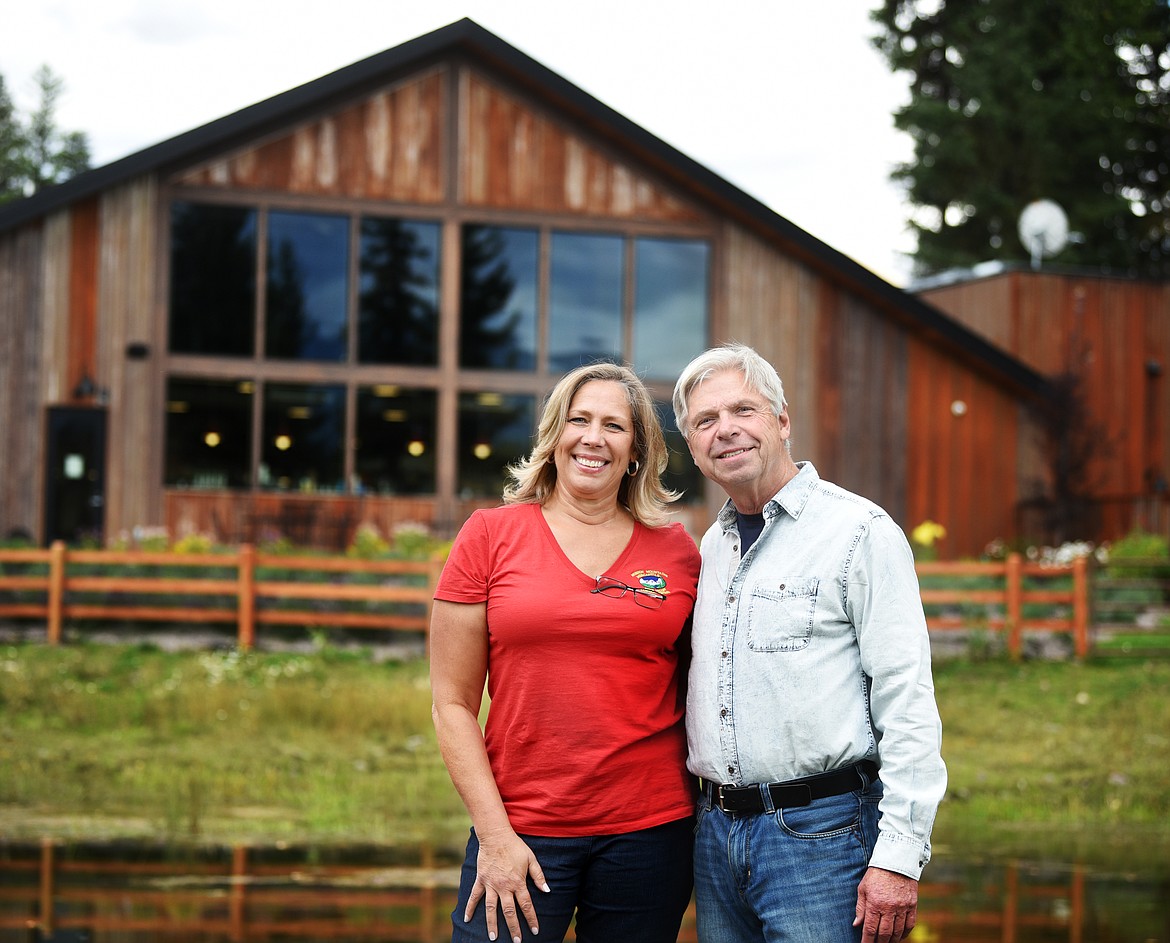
<point x="546" y="888"/>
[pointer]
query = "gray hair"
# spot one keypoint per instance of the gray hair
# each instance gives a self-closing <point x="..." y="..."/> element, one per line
<point x="757" y="373"/>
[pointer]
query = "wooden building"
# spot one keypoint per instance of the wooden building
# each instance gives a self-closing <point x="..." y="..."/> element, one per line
<point x="1111" y="337"/>
<point x="345" y="303"/>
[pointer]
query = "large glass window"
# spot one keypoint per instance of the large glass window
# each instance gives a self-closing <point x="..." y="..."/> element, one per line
<point x="395" y="449"/>
<point x="213" y="280"/>
<point x="398" y="313"/>
<point x="670" y="304"/>
<point x="308" y="271"/>
<point x="495" y="430"/>
<point x="208" y="433"/>
<point x="497" y="303"/>
<point x="303" y="428"/>
<point x="585" y="299"/>
<point x="346" y="308"/>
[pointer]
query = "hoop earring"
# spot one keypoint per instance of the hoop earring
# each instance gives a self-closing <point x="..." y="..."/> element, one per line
<point x="632" y="469"/>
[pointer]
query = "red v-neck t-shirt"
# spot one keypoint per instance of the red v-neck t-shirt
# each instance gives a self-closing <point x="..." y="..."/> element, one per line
<point x="585" y="731"/>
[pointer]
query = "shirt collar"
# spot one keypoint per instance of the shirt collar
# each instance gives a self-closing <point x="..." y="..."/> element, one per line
<point x="791" y="499"/>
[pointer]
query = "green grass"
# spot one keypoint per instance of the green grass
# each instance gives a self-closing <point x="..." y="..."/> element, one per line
<point x="1057" y="756"/>
<point x="111" y="741"/>
<point x="105" y="741"/>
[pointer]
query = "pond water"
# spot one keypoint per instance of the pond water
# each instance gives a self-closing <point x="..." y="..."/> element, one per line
<point x="135" y="893"/>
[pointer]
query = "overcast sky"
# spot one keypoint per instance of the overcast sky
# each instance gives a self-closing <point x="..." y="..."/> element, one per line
<point x="787" y="100"/>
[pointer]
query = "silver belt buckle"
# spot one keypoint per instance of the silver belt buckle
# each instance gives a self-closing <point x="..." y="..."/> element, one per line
<point x="719" y="797"/>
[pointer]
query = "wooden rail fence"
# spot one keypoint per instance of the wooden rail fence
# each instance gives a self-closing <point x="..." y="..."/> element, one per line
<point x="1024" y="599"/>
<point x="244" y="588"/>
<point x="251" y="589"/>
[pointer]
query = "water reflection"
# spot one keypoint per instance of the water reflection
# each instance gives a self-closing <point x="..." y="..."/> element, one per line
<point x="132" y="893"/>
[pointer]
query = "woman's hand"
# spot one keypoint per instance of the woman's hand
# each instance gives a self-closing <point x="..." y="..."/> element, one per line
<point x="503" y="867"/>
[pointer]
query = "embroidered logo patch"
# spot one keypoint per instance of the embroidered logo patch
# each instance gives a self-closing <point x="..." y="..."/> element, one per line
<point x="651" y="579"/>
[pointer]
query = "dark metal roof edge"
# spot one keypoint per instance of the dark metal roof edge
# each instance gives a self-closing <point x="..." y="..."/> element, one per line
<point x="270" y="112"/>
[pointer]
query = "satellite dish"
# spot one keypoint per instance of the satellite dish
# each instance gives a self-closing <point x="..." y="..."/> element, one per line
<point x="1043" y="229"/>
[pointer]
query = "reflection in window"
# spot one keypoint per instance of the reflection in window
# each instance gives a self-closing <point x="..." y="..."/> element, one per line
<point x="213" y="280"/>
<point x="497" y="300"/>
<point x="308" y="266"/>
<point x="681" y="474"/>
<point x="670" y="304"/>
<point x="208" y="433"/>
<point x="495" y="430"/>
<point x="301" y="445"/>
<point x="398" y="319"/>
<point x="395" y="440"/>
<point x="585" y="300"/>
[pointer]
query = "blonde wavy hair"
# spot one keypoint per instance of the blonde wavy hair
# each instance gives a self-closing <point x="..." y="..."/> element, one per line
<point x="534" y="478"/>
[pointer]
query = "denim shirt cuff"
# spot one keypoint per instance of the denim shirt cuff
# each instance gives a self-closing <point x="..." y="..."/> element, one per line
<point x="900" y="854"/>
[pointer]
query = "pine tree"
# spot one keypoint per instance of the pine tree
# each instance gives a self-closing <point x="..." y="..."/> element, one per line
<point x="1018" y="100"/>
<point x="34" y="152"/>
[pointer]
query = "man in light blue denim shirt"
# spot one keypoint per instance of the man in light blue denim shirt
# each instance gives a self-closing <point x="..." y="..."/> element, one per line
<point x="811" y="718"/>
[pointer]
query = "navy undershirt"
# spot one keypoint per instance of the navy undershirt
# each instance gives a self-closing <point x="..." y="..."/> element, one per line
<point x="750" y="526"/>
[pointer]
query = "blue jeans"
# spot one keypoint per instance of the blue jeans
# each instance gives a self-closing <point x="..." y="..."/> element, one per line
<point x="632" y="888"/>
<point x="789" y="875"/>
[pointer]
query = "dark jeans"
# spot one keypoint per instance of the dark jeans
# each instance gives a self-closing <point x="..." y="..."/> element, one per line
<point x="632" y="888"/>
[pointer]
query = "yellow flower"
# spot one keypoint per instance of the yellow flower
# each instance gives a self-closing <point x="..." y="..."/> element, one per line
<point x="926" y="533"/>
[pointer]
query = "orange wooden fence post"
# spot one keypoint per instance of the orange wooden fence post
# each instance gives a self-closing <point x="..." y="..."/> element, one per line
<point x="45" y="917"/>
<point x="236" y="907"/>
<point x="246" y="635"/>
<point x="1081" y="606"/>
<point x="56" y="599"/>
<point x="1014" y="592"/>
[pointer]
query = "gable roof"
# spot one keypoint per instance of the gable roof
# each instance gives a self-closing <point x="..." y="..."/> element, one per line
<point x="469" y="38"/>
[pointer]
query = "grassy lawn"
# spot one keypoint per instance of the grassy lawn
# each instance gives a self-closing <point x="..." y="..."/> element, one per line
<point x="113" y="741"/>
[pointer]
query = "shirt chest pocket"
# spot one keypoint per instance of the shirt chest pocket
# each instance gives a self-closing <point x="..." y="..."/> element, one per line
<point x="780" y="614"/>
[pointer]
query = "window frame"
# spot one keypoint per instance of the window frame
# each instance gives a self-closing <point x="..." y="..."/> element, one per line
<point x="446" y="378"/>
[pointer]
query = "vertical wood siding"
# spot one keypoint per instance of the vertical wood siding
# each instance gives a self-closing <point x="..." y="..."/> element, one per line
<point x="82" y="268"/>
<point x="1105" y="330"/>
<point x="388" y="146"/>
<point x="516" y="157"/>
<point x="21" y="416"/>
<point x="128" y="311"/>
<point x="961" y="470"/>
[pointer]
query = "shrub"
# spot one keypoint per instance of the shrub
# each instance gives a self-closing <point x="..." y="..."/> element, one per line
<point x="368" y="543"/>
<point x="1139" y="545"/>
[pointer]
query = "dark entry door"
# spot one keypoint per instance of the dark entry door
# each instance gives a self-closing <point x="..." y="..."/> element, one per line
<point x="75" y="475"/>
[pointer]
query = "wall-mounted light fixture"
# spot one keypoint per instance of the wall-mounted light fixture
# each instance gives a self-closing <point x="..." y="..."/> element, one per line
<point x="85" y="388"/>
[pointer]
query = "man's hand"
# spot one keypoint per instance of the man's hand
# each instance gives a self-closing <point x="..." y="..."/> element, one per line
<point x="887" y="906"/>
<point x="503" y="867"/>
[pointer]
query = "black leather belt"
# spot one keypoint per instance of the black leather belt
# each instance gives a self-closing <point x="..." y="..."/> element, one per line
<point x="792" y="794"/>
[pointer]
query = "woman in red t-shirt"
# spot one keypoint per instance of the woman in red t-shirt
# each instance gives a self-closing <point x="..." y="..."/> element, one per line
<point x="572" y="602"/>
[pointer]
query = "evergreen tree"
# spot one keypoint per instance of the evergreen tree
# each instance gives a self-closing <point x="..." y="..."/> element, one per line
<point x="1018" y="100"/>
<point x="34" y="152"/>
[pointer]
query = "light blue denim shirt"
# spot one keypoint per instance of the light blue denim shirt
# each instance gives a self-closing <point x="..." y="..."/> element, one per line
<point x="811" y="653"/>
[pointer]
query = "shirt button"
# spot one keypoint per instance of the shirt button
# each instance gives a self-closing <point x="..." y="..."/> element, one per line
<point x="725" y="654"/>
<point x="731" y="598"/>
<point x="781" y="585"/>
<point x="731" y="771"/>
<point x="735" y="548"/>
<point x="723" y="713"/>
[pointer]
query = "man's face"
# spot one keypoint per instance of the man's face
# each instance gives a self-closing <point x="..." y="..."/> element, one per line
<point x="735" y="438"/>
